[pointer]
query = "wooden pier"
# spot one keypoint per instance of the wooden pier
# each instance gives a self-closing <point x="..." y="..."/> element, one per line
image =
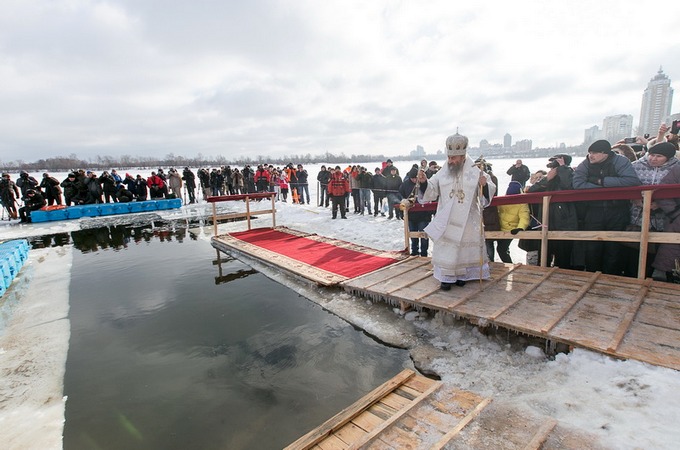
<point x="618" y="316"/>
<point x="413" y="412"/>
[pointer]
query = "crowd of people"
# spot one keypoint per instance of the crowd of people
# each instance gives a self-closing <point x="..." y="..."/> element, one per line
<point x="384" y="190"/>
<point x="644" y="162"/>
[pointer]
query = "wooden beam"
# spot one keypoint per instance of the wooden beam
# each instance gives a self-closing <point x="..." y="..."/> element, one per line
<point x="575" y="298"/>
<point x="644" y="238"/>
<point x="388" y="423"/>
<point x="462" y="424"/>
<point x="628" y="318"/>
<point x="345" y="416"/>
<point x="545" y="217"/>
<point x="541" y="435"/>
<point x="618" y="236"/>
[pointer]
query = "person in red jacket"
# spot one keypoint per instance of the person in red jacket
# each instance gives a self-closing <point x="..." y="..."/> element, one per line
<point x="338" y="187"/>
<point x="262" y="177"/>
<point x="157" y="187"/>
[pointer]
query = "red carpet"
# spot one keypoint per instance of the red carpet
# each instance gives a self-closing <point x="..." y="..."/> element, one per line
<point x="340" y="261"/>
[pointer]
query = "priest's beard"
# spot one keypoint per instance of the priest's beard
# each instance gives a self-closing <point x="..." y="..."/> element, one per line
<point x="455" y="169"/>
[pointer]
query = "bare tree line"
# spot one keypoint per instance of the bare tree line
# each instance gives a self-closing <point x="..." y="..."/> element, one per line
<point x="65" y="163"/>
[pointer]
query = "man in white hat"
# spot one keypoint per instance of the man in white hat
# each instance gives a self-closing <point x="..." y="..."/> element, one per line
<point x="464" y="190"/>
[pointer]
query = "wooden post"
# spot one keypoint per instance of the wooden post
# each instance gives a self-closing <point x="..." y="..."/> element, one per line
<point x="214" y="208"/>
<point x="407" y="234"/>
<point x="273" y="212"/>
<point x="644" y="233"/>
<point x="544" y="230"/>
<point x="248" y="211"/>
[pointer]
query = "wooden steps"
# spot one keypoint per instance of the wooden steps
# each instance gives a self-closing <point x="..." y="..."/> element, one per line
<point x="413" y="412"/>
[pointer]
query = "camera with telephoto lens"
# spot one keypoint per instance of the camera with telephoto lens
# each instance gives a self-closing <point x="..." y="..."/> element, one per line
<point x="552" y="163"/>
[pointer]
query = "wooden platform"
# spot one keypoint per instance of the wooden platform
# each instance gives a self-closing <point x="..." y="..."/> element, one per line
<point x="413" y="412"/>
<point x="619" y="316"/>
<point x="229" y="244"/>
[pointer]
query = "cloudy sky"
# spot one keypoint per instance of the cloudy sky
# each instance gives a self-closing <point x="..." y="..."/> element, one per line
<point x="272" y="78"/>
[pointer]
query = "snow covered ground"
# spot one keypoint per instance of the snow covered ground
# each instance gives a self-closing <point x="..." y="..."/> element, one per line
<point x="625" y="404"/>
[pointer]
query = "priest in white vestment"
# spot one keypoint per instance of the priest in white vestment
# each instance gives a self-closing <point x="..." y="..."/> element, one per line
<point x="463" y="191"/>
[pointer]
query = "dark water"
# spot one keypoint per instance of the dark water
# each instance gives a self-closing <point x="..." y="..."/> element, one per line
<point x="169" y="351"/>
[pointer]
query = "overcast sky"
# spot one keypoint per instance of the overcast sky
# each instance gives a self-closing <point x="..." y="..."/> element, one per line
<point x="253" y="77"/>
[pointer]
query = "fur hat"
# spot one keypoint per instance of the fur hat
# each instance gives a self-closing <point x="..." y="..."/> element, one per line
<point x="413" y="173"/>
<point x="456" y="145"/>
<point x="601" y="146"/>
<point x="664" y="148"/>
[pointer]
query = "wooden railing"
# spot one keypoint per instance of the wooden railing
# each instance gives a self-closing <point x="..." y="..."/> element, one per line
<point x="248" y="214"/>
<point x="645" y="237"/>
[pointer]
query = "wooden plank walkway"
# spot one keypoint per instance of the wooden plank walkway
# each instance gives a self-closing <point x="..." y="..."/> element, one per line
<point x="413" y="412"/>
<point x="229" y="244"/>
<point x="619" y="316"/>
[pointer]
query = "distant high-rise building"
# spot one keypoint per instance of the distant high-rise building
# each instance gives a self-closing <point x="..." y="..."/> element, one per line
<point x="507" y="140"/>
<point x="524" y="145"/>
<point x="656" y="103"/>
<point x="615" y="128"/>
<point x="484" y="144"/>
<point x="591" y="135"/>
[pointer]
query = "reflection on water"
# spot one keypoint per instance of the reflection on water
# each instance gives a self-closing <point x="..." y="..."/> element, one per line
<point x="172" y="347"/>
<point x="114" y="237"/>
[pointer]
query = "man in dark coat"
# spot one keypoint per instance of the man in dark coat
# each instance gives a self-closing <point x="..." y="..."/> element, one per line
<point x="9" y="193"/>
<point x="190" y="183"/>
<point x="323" y="178"/>
<point x="519" y="172"/>
<point x="33" y="202"/>
<point x="70" y="189"/>
<point x="378" y="189"/>
<point x="51" y="189"/>
<point x="26" y="182"/>
<point x="604" y="168"/>
<point x="392" y="185"/>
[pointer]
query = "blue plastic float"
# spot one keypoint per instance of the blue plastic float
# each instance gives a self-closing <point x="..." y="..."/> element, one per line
<point x="104" y="209"/>
<point x="13" y="255"/>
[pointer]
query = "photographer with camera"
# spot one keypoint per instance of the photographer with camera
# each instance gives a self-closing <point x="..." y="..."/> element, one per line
<point x="561" y="216"/>
<point x="519" y="172"/>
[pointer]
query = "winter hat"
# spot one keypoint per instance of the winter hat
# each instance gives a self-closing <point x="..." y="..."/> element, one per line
<point x="456" y="145"/>
<point x="413" y="173"/>
<point x="664" y="148"/>
<point x="601" y="146"/>
<point x="514" y="188"/>
<point x="389" y="161"/>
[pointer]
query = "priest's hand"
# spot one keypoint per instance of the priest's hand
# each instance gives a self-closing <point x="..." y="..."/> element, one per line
<point x="482" y="179"/>
<point x="422" y="178"/>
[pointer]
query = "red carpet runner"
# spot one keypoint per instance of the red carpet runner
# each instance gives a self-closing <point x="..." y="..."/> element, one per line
<point x="340" y="261"/>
